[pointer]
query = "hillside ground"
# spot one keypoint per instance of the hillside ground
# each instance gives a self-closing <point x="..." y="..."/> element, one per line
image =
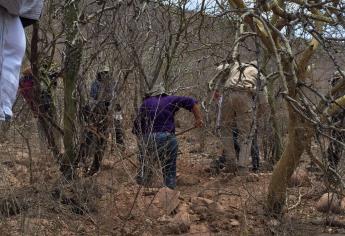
<point x="35" y="200"/>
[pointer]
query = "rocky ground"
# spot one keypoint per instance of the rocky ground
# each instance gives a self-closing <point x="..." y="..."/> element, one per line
<point x="35" y="200"/>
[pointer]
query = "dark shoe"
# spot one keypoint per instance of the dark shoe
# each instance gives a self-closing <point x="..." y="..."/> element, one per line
<point x="93" y="170"/>
<point x="67" y="172"/>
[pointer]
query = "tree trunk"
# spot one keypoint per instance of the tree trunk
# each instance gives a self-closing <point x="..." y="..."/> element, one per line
<point x="72" y="65"/>
<point x="293" y="150"/>
<point x="287" y="164"/>
<point x="277" y="139"/>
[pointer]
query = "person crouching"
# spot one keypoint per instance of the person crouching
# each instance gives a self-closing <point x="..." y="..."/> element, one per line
<point x="155" y="129"/>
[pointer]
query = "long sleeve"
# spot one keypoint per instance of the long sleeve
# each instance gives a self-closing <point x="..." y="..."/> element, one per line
<point x="184" y="102"/>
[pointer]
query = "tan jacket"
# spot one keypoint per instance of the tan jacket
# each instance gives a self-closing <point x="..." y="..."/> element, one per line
<point x="243" y="77"/>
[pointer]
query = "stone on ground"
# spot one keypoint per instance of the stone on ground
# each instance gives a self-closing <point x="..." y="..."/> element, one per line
<point x="187" y="180"/>
<point x="167" y="199"/>
<point x="234" y="222"/>
<point x="252" y="178"/>
<point x="206" y="206"/>
<point x="181" y="222"/>
<point x="200" y="229"/>
<point x="328" y="202"/>
<point x="164" y="202"/>
<point x="299" y="178"/>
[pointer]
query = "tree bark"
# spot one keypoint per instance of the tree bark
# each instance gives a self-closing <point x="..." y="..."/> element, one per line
<point x="287" y="164"/>
<point x="277" y="139"/>
<point x="71" y="69"/>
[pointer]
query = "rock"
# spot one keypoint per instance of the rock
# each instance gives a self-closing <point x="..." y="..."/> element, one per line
<point x="299" y="178"/>
<point x="200" y="201"/>
<point x="164" y="219"/>
<point x="234" y="223"/>
<point x="328" y="202"/>
<point x="252" y="178"/>
<point x="273" y="223"/>
<point x="216" y="208"/>
<point x="187" y="180"/>
<point x="148" y="221"/>
<point x="194" y="218"/>
<point x="207" y="194"/>
<point x="180" y="223"/>
<point x="146" y="234"/>
<point x="200" y="229"/>
<point x="221" y="225"/>
<point x="206" y="206"/>
<point x="167" y="199"/>
<point x="164" y="202"/>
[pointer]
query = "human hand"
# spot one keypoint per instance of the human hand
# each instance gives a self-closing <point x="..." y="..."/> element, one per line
<point x="199" y="123"/>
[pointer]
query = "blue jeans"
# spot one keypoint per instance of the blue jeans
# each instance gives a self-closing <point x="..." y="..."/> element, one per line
<point x="160" y="148"/>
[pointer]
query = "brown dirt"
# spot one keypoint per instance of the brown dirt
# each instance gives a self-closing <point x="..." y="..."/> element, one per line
<point x="35" y="201"/>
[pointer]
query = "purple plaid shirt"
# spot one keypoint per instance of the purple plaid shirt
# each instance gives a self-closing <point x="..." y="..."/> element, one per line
<point x="156" y="114"/>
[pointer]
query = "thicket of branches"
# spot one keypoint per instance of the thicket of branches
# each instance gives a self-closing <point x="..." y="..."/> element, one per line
<point x="178" y="44"/>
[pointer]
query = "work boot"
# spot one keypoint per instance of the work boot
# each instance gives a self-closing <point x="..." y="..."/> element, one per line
<point x="94" y="169"/>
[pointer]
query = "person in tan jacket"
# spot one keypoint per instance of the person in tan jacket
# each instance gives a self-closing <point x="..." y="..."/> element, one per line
<point x="243" y="88"/>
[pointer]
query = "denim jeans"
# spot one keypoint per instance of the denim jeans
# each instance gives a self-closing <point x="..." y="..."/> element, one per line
<point x="156" y="148"/>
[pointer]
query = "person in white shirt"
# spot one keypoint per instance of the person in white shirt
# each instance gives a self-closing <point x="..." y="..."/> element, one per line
<point x="14" y="15"/>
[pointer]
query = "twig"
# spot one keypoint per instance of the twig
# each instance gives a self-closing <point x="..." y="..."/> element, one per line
<point x="298" y="202"/>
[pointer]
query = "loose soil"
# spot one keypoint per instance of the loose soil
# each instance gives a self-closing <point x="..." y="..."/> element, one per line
<point x="35" y="200"/>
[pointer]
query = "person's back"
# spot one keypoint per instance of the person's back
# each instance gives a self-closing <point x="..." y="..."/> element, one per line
<point x="155" y="130"/>
<point x="102" y="87"/>
<point x="157" y="113"/>
<point x="243" y="76"/>
<point x="244" y="94"/>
